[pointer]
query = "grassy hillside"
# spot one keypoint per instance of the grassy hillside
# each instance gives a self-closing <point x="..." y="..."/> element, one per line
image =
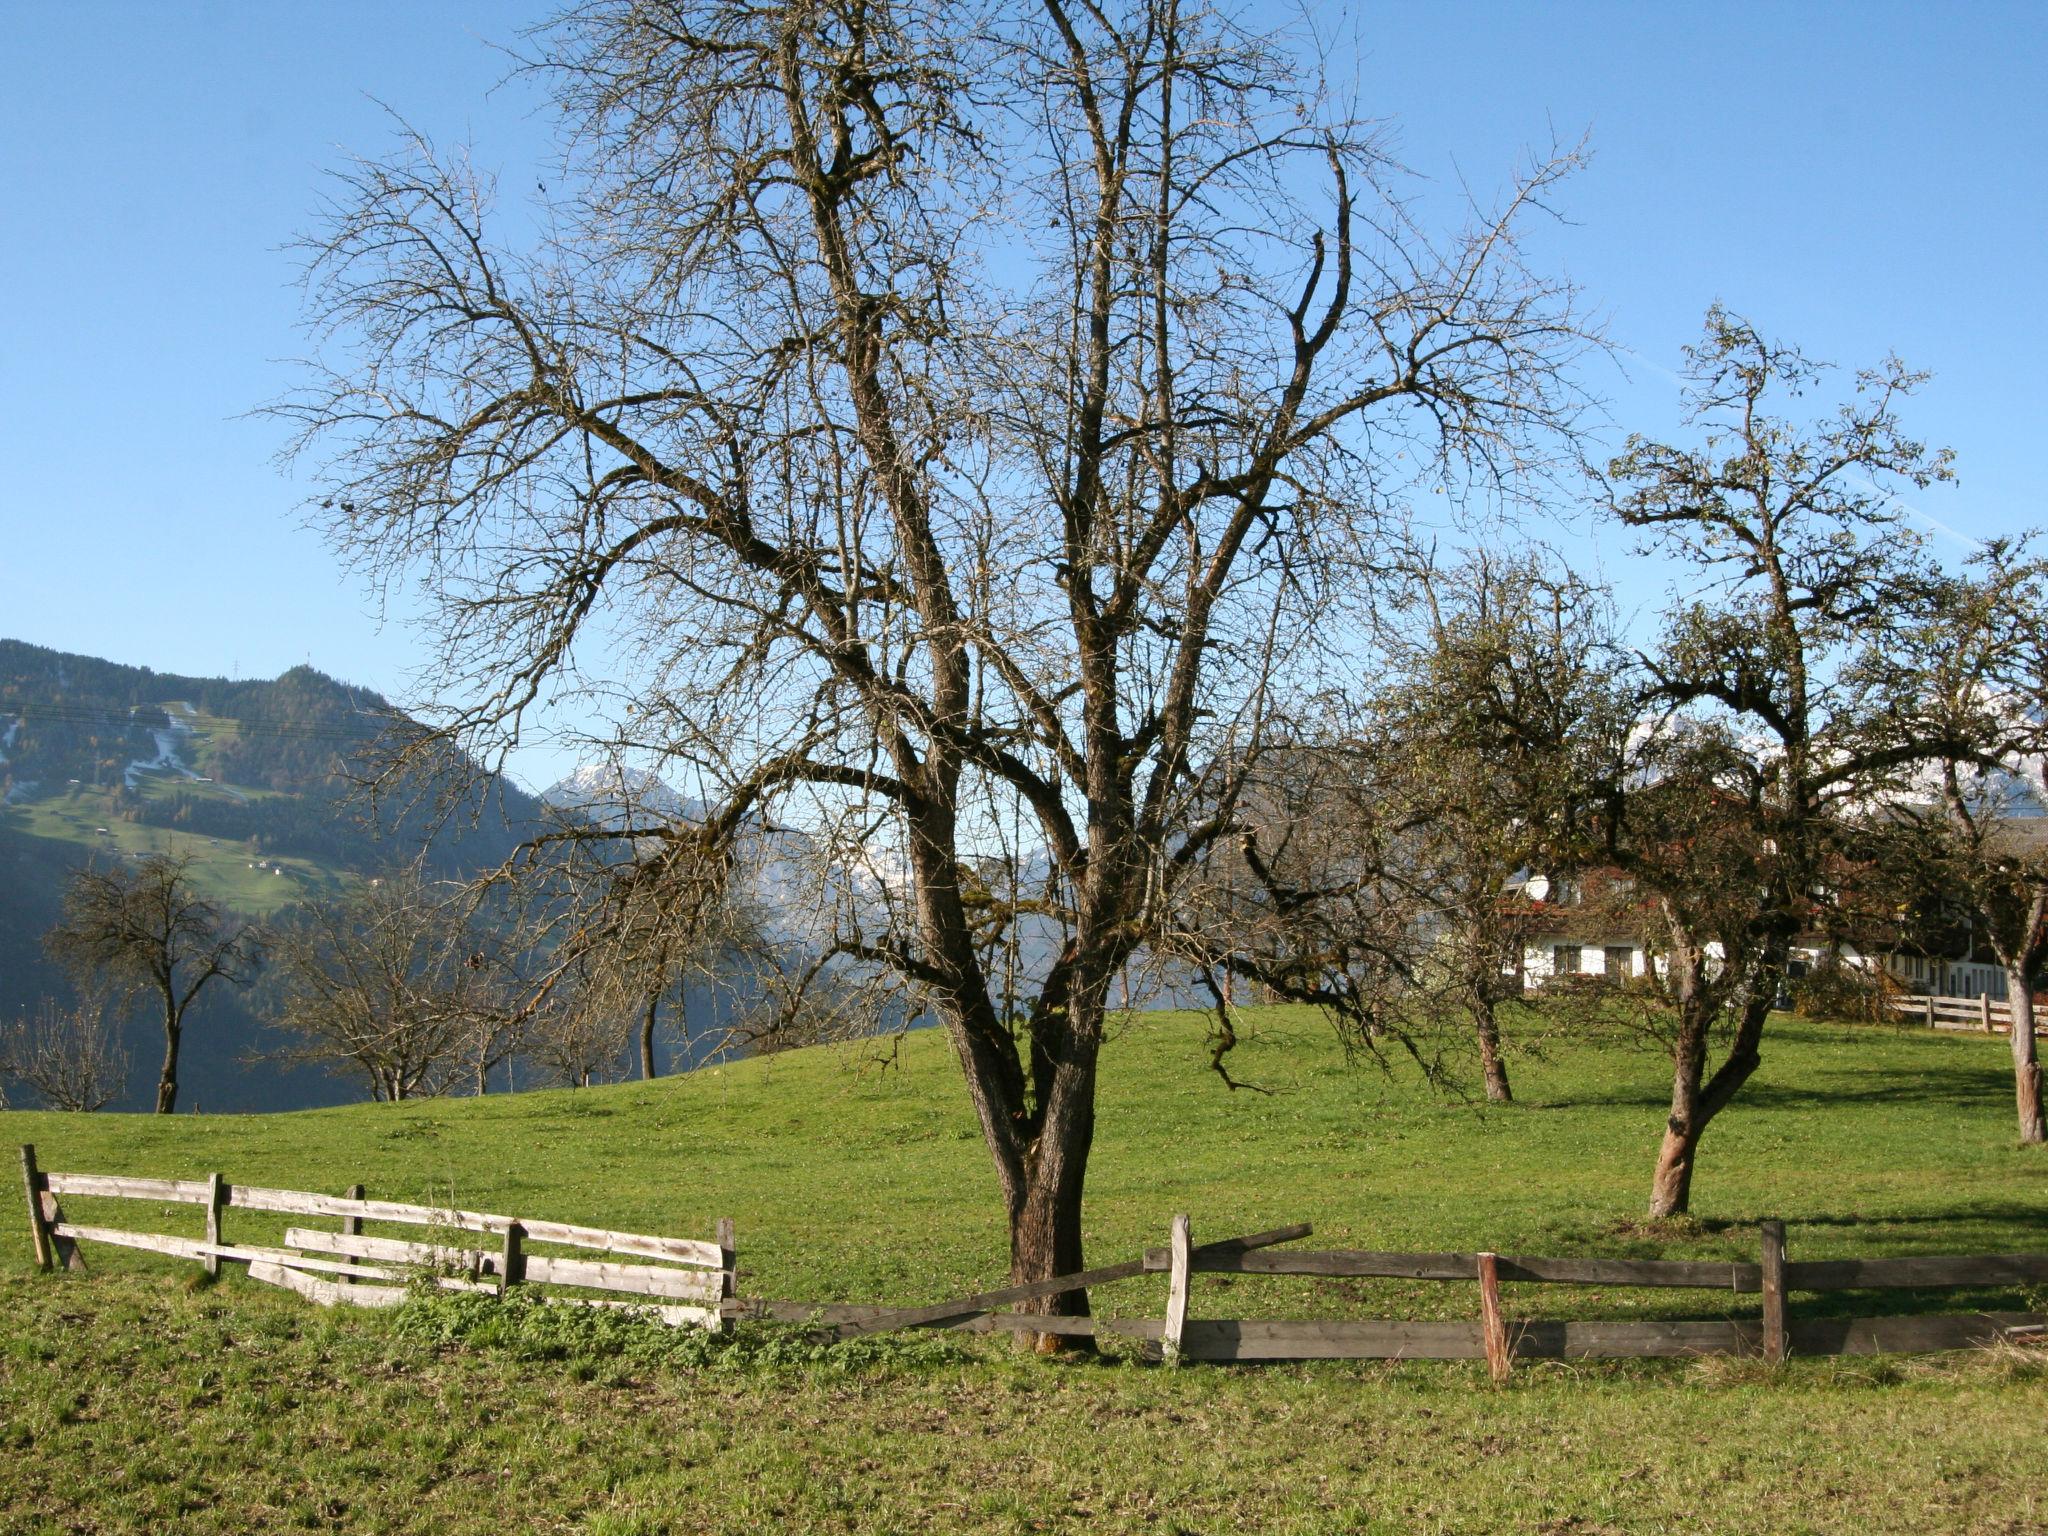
<point x="859" y="1175"/>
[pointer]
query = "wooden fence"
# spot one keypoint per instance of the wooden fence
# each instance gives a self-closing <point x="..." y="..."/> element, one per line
<point x="1985" y="1014"/>
<point x="1499" y="1340"/>
<point x="687" y="1284"/>
<point x="694" y="1283"/>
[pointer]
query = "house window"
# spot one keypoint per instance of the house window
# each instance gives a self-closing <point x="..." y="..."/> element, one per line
<point x="1564" y="960"/>
<point x="1621" y="960"/>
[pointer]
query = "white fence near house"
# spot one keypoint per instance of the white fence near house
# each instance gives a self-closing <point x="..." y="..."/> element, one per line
<point x="1984" y="1013"/>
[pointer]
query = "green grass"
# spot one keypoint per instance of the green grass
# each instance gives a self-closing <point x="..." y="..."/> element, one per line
<point x="128" y="1401"/>
<point x="222" y="871"/>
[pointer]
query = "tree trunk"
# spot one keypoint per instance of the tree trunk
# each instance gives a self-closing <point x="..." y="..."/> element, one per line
<point x="1487" y="1025"/>
<point x="1695" y="1098"/>
<point x="167" y="1080"/>
<point x="2026" y="1063"/>
<point x="647" y="1072"/>
<point x="1045" y="1221"/>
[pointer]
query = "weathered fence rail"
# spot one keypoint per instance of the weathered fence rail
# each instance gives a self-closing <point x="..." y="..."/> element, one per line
<point x="1982" y="1014"/>
<point x="690" y="1284"/>
<point x="693" y="1282"/>
<point x="1496" y="1338"/>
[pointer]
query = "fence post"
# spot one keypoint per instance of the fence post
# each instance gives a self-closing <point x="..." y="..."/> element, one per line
<point x="1984" y="1010"/>
<point x="729" y="1271"/>
<point x="1927" y="1003"/>
<point x="1773" y="1234"/>
<point x="216" y="1197"/>
<point x="1493" y="1328"/>
<point x="511" y="1262"/>
<point x="1181" y="1245"/>
<point x="38" y="1229"/>
<point x="352" y="1226"/>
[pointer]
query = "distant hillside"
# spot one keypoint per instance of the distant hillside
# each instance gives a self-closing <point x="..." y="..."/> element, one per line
<point x="250" y="779"/>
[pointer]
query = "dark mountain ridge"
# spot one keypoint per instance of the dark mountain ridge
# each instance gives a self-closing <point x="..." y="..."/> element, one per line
<point x="253" y="780"/>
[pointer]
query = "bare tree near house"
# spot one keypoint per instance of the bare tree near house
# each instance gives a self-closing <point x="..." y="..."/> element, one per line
<point x="932" y="424"/>
<point x="1976" y="676"/>
<point x="398" y="980"/>
<point x="71" y="1058"/>
<point x="1758" y="741"/>
<point x="1501" y="722"/>
<point x="143" y="927"/>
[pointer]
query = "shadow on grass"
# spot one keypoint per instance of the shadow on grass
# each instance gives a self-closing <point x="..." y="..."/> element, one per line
<point x="1944" y="1087"/>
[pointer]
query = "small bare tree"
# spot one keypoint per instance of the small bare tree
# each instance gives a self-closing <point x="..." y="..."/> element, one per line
<point x="71" y="1058"/>
<point x="1498" y="732"/>
<point x="143" y="927"/>
<point x="396" y="980"/>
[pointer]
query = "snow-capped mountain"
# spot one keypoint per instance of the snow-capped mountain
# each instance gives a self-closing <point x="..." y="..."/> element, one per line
<point x="612" y="794"/>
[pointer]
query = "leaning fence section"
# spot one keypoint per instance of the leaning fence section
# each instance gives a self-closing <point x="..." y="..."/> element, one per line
<point x="685" y="1281"/>
<point x="691" y="1282"/>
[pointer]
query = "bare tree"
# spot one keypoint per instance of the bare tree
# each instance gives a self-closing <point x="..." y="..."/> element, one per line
<point x="71" y="1058"/>
<point x="397" y="980"/>
<point x="962" y="435"/>
<point x="1974" y="678"/>
<point x="1503" y="721"/>
<point x="1758" y="740"/>
<point x="144" y="927"/>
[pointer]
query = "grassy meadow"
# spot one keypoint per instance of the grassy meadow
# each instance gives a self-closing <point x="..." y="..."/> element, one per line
<point x="131" y="1399"/>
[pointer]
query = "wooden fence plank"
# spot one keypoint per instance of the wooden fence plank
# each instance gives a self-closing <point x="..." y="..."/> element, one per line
<point x="38" y="1229"/>
<point x="539" y="1269"/>
<point x="215" y="1199"/>
<point x="1772" y="1234"/>
<point x="680" y="1250"/>
<point x="1388" y="1340"/>
<point x="193" y="1248"/>
<point x="120" y="1187"/>
<point x="392" y="1250"/>
<point x="1934" y="1271"/>
<point x="352" y="1226"/>
<point x="988" y="1301"/>
<point x="1179" y="1242"/>
<point x="61" y="1244"/>
<point x="1695" y="1274"/>
<point x="673" y="1317"/>
<point x="640" y="1279"/>
<point x="1209" y="1339"/>
<point x="511" y="1261"/>
<point x="326" y="1293"/>
<point x="1493" y="1329"/>
<point x="1907" y="1335"/>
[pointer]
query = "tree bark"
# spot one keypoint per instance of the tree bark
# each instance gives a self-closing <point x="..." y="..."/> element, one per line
<point x="1696" y="1098"/>
<point x="1487" y="1026"/>
<point x="647" y="1071"/>
<point x="167" y="1080"/>
<point x="1045" y="1213"/>
<point x="2026" y="1063"/>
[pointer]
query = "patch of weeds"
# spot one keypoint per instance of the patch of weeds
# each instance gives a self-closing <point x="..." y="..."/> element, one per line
<point x="523" y="1325"/>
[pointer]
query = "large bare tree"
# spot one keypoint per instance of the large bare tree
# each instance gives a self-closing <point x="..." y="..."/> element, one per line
<point x="143" y="927"/>
<point x="959" y="434"/>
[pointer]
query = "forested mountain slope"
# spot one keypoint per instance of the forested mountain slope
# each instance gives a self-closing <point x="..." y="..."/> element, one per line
<point x="250" y="779"/>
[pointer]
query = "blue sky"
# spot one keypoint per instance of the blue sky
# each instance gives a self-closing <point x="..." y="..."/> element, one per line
<point x="1854" y="177"/>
